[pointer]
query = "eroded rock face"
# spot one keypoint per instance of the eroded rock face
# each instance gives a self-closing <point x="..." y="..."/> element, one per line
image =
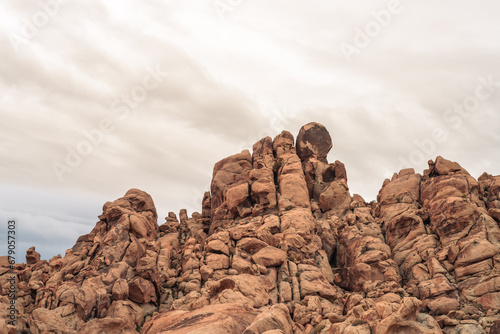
<point x="263" y="188"/>
<point x="230" y="187"/>
<point x="291" y="180"/>
<point x="97" y="273"/>
<point x="223" y="318"/>
<point x="281" y="246"/>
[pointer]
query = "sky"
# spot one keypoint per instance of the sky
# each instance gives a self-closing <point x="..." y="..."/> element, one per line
<point x="98" y="97"/>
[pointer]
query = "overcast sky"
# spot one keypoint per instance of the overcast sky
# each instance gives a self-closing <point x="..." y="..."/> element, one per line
<point x="101" y="96"/>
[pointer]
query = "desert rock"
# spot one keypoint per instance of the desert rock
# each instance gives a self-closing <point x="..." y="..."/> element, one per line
<point x="280" y="246"/>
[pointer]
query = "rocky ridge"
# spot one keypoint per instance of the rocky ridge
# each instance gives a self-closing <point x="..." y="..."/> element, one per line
<point x="280" y="246"/>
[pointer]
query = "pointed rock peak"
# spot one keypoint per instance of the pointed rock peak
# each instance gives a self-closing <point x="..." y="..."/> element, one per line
<point x="444" y="167"/>
<point x="263" y="147"/>
<point x="140" y="201"/>
<point x="134" y="201"/>
<point x="240" y="158"/>
<point x="32" y="256"/>
<point x="283" y="143"/>
<point x="313" y="140"/>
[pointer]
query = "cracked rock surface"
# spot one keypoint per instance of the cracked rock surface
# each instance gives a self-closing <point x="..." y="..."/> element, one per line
<point x="280" y="246"/>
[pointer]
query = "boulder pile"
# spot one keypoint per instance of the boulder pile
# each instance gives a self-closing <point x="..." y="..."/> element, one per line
<point x="281" y="246"/>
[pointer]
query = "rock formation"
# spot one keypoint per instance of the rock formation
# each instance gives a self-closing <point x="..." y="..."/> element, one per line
<point x="281" y="246"/>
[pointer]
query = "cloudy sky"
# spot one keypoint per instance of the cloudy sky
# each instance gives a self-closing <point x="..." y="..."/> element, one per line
<point x="102" y="96"/>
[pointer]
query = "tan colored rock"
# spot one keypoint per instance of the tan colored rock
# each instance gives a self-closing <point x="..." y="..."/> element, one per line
<point x="217" y="261"/>
<point x="269" y="257"/>
<point x="206" y="272"/>
<point x="469" y="328"/>
<point x="491" y="284"/>
<point x="305" y="250"/>
<point x="313" y="282"/>
<point x="191" y="262"/>
<point x="32" y="256"/>
<point x="120" y="290"/>
<point x="251" y="245"/>
<point x="495" y="329"/>
<point x="406" y="320"/>
<point x="206" y="205"/>
<point x="443" y="305"/>
<point x="134" y="252"/>
<point x="131" y="313"/>
<point x="490" y="301"/>
<point x="276" y="318"/>
<point x="404" y="189"/>
<point x="385" y="308"/>
<point x="293" y="191"/>
<point x="434" y="287"/>
<point x="435" y="267"/>
<point x="212" y="319"/>
<point x="357" y="329"/>
<point x="445" y="167"/>
<point x="230" y="296"/>
<point x="285" y="290"/>
<point x="241" y="265"/>
<point x="106" y="325"/>
<point x="335" y="318"/>
<point x="3" y="326"/>
<point x="301" y="220"/>
<point x="255" y="288"/>
<point x="43" y="320"/>
<point x="141" y="291"/>
<point x="263" y="189"/>
<point x="115" y="272"/>
<point x="482" y="267"/>
<point x="319" y="175"/>
<point x="494" y="213"/>
<point x="144" y="223"/>
<point x="475" y="251"/>
<point x="403" y="229"/>
<point x="353" y="278"/>
<point x="420" y="272"/>
<point x="4" y="261"/>
<point x="228" y="173"/>
<point x="217" y="246"/>
<point x="283" y="144"/>
<point x="335" y="197"/>
<point x="238" y="200"/>
<point x="140" y="227"/>
<point x="84" y="299"/>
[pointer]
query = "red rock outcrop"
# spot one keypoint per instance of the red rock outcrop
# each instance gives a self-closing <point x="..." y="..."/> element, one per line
<point x="281" y="246"/>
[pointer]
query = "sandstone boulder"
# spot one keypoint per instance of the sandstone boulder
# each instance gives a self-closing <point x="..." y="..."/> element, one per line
<point x="230" y="172"/>
<point x="406" y="320"/>
<point x="43" y="321"/>
<point x="277" y="318"/>
<point x="269" y="256"/>
<point x="335" y="197"/>
<point x="263" y="189"/>
<point x="141" y="291"/>
<point x="213" y="319"/>
<point x="32" y="256"/>
<point x="313" y="140"/>
<point x="106" y="325"/>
